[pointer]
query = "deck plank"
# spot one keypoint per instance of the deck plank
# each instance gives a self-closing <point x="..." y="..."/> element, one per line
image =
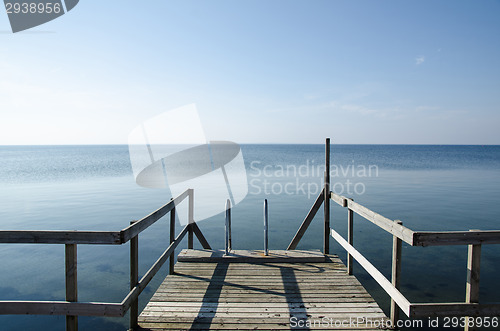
<point x="210" y="292"/>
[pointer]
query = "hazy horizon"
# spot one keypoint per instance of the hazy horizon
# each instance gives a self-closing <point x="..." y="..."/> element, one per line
<point x="315" y="144"/>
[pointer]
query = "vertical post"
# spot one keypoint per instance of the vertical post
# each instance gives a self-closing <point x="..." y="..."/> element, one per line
<point x="191" y="218"/>
<point x="473" y="273"/>
<point x="229" y="239"/>
<point x="172" y="238"/>
<point x="266" y="229"/>
<point x="326" y="191"/>
<point x="134" y="278"/>
<point x="396" y="272"/>
<point x="228" y="221"/>
<point x="350" y="236"/>
<point x="71" y="283"/>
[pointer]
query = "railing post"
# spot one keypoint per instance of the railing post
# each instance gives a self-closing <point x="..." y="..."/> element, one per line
<point x="266" y="229"/>
<point x="350" y="236"/>
<point x="227" y="226"/>
<point x="230" y="237"/>
<point x="134" y="278"/>
<point x="396" y="273"/>
<point x="172" y="238"/>
<point x="191" y="218"/>
<point x="71" y="283"/>
<point x="326" y="235"/>
<point x="473" y="275"/>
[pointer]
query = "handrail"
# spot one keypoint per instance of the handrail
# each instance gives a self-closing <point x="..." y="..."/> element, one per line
<point x="141" y="225"/>
<point x="420" y="238"/>
<point x="90" y="237"/>
<point x="388" y="225"/>
<point x="441" y="238"/>
<point x="61" y="308"/>
<point x="473" y="238"/>
<point x="90" y="308"/>
<point x="60" y="237"/>
<point x="72" y="238"/>
<point x="417" y="310"/>
<point x="400" y="299"/>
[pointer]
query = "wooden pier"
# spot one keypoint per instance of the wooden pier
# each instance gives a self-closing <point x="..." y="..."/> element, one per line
<point x="233" y="289"/>
<point x="247" y="290"/>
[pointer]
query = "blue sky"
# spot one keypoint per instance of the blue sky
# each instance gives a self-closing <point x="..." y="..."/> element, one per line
<point x="417" y="72"/>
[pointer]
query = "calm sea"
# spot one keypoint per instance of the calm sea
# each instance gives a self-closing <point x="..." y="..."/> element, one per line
<point x="93" y="188"/>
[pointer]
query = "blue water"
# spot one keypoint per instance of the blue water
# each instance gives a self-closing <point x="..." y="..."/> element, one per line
<point x="92" y="188"/>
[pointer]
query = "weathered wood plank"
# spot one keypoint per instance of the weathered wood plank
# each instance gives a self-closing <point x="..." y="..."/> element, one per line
<point x="245" y="283"/>
<point x="340" y="200"/>
<point x="388" y="225"/>
<point x="278" y="318"/>
<point x="289" y="290"/>
<point x="445" y="238"/>
<point x="243" y="323"/>
<point x="252" y="325"/>
<point x="269" y="271"/>
<point x="275" y="283"/>
<point x="60" y="308"/>
<point x="275" y="317"/>
<point x="160" y="310"/>
<point x="268" y="293"/>
<point x="329" y="264"/>
<point x="60" y="237"/>
<point x="248" y="299"/>
<point x="250" y="256"/>
<point x="272" y="278"/>
<point x="261" y="305"/>
<point x="292" y="288"/>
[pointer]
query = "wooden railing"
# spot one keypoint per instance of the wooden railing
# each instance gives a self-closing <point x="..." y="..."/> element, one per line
<point x="71" y="307"/>
<point x="473" y="238"/>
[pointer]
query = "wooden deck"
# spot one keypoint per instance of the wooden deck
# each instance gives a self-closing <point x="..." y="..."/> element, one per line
<point x="286" y="290"/>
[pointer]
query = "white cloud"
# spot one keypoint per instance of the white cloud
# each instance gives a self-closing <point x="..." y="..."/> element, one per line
<point x="419" y="60"/>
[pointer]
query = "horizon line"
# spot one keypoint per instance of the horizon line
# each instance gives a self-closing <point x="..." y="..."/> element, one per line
<point x="247" y="143"/>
